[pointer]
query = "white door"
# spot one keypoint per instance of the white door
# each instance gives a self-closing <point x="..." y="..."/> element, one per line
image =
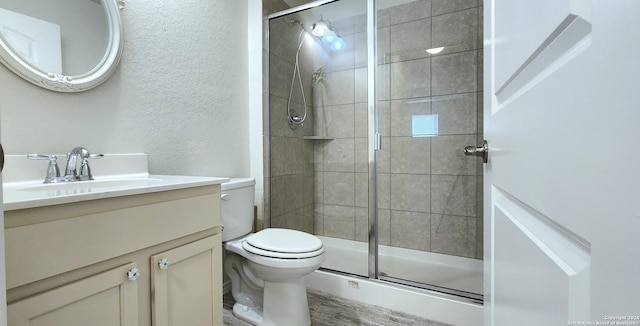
<point x="562" y="185"/>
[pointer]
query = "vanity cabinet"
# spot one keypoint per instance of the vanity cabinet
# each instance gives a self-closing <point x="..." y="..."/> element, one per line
<point x="147" y="259"/>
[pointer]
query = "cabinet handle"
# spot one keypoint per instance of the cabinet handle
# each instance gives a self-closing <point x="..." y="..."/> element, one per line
<point x="133" y="274"/>
<point x="164" y="263"/>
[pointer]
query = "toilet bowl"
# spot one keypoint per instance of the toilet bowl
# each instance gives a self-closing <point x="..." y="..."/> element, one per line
<point x="266" y="268"/>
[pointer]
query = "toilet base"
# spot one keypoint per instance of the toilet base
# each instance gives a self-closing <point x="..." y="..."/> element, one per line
<point x="286" y="304"/>
<point x="252" y="315"/>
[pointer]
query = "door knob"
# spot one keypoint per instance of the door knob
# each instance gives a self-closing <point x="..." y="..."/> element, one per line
<point x="482" y="152"/>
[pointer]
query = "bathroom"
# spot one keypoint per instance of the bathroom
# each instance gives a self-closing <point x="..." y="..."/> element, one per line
<point x="182" y="99"/>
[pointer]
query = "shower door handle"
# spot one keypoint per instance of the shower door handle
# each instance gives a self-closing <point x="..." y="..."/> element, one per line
<point x="482" y="152"/>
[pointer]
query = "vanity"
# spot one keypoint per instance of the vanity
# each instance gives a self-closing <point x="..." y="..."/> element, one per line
<point x="127" y="248"/>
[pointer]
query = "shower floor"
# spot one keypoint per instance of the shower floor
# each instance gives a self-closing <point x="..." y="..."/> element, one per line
<point x="459" y="273"/>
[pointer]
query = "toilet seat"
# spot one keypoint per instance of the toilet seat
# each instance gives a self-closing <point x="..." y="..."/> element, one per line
<point x="283" y="244"/>
<point x="280" y="255"/>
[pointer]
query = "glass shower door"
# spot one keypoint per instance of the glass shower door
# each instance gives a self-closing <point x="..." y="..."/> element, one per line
<point x="403" y="207"/>
<point x="428" y="104"/>
<point x="319" y="169"/>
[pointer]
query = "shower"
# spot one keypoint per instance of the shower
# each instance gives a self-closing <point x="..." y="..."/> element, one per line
<point x="328" y="34"/>
<point x="295" y="121"/>
<point x="377" y="172"/>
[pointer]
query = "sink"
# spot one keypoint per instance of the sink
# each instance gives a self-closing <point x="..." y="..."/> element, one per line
<point x="116" y="175"/>
<point x="31" y="194"/>
<point x="93" y="184"/>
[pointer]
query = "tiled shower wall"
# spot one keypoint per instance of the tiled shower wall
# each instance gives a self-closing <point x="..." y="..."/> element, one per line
<point x="290" y="174"/>
<point x="429" y="193"/>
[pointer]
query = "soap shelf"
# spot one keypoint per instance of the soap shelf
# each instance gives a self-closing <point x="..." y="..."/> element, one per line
<point x="318" y="137"/>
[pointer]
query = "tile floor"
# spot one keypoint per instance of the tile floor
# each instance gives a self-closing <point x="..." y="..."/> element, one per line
<point x="328" y="310"/>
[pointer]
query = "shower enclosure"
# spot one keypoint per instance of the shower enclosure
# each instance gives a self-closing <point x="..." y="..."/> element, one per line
<point x="366" y="137"/>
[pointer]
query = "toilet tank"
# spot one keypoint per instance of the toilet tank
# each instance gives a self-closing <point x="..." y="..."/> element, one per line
<point x="237" y="207"/>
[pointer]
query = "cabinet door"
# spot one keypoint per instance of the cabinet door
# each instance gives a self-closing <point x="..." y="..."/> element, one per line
<point x="106" y="299"/>
<point x="186" y="284"/>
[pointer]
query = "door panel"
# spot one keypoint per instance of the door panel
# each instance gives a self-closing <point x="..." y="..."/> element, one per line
<point x="537" y="257"/>
<point x="560" y="185"/>
<point x="186" y="284"/>
<point x="526" y="28"/>
<point x="427" y="108"/>
<point x="106" y="299"/>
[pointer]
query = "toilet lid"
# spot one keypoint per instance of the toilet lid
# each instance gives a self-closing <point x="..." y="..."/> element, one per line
<point x="284" y="241"/>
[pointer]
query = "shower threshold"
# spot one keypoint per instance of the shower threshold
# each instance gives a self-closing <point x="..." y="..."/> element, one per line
<point x="417" y="267"/>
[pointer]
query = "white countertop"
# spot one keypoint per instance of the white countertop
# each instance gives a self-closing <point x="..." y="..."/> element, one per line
<point x="125" y="176"/>
<point x="19" y="196"/>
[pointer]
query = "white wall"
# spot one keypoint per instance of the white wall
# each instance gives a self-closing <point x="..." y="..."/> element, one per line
<point x="256" y="98"/>
<point x="180" y="95"/>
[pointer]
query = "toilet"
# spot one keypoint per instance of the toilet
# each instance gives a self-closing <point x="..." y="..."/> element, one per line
<point x="266" y="268"/>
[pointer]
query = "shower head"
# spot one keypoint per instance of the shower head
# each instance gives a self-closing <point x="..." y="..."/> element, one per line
<point x="294" y="22"/>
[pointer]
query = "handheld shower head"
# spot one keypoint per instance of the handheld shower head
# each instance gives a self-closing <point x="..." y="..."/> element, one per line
<point x="295" y="120"/>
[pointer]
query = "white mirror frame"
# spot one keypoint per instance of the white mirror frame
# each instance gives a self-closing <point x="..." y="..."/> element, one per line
<point x="61" y="83"/>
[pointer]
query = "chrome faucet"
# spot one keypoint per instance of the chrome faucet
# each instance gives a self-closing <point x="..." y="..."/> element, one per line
<point x="71" y="172"/>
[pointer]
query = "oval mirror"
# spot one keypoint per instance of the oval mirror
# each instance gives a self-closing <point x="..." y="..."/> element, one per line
<point x="61" y="45"/>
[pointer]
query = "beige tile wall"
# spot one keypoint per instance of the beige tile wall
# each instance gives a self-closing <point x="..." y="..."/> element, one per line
<point x="429" y="193"/>
<point x="289" y="169"/>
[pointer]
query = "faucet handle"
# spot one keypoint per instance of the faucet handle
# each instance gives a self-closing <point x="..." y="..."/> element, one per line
<point x="53" y="172"/>
<point x="41" y="157"/>
<point x="85" y="170"/>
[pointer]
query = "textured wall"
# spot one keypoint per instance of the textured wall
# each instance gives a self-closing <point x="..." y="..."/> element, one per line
<point x="179" y="94"/>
